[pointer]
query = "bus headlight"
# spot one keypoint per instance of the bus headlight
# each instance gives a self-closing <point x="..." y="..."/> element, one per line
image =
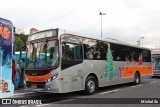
<point x="26" y="79"/>
<point x="53" y="77"/>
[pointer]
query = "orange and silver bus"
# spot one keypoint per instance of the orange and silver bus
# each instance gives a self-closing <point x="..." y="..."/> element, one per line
<point x="61" y="61"/>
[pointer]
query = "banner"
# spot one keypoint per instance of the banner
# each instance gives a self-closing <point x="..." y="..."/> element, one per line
<point x="6" y="36"/>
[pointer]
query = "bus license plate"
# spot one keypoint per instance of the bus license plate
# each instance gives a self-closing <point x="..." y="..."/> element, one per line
<point x="33" y="86"/>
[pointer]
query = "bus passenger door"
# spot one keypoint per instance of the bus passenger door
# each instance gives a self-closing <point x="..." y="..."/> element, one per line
<point x="72" y="66"/>
<point x="77" y="82"/>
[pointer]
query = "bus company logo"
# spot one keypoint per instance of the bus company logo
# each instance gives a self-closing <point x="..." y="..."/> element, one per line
<point x="6" y="101"/>
<point x="38" y="80"/>
<point x="34" y="74"/>
<point x="34" y="79"/>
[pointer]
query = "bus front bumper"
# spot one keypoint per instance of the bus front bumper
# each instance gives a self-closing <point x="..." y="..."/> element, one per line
<point x="156" y="72"/>
<point x="53" y="86"/>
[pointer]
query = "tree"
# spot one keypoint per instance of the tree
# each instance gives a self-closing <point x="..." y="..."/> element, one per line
<point x="23" y="37"/>
<point x="109" y="71"/>
<point x="18" y="43"/>
<point x="20" y="40"/>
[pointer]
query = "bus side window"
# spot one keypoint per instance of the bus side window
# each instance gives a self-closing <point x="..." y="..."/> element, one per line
<point x="146" y="54"/>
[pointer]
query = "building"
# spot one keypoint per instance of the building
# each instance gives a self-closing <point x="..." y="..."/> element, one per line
<point x="33" y="30"/>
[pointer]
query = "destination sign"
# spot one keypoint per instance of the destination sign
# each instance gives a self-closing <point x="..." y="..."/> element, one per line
<point x="41" y="35"/>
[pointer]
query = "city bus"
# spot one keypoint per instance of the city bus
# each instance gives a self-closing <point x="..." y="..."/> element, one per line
<point x="6" y="52"/>
<point x="61" y="61"/>
<point x="156" y="63"/>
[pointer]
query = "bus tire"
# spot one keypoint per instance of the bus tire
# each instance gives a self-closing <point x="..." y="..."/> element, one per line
<point x="90" y="85"/>
<point x="137" y="79"/>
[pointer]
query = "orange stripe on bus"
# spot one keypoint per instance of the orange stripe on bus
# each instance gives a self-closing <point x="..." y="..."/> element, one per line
<point x="43" y="78"/>
<point x="129" y="71"/>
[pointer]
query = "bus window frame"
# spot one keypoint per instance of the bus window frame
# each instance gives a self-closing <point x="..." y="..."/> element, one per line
<point x="41" y="40"/>
<point x="78" y="61"/>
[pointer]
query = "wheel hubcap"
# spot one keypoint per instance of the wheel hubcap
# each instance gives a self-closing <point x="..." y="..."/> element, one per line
<point x="137" y="79"/>
<point x="91" y="86"/>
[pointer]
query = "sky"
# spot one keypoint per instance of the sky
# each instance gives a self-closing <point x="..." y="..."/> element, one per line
<point x="124" y="20"/>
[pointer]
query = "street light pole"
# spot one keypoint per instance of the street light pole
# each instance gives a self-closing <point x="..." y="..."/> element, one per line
<point x="159" y="44"/>
<point x="101" y="21"/>
<point x="142" y="40"/>
<point x="138" y="43"/>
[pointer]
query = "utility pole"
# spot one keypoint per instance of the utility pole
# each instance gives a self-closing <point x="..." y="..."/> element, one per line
<point x="142" y="40"/>
<point x="101" y="21"/>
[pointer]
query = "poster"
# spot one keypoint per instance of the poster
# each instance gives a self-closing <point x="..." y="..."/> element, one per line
<point x="6" y="36"/>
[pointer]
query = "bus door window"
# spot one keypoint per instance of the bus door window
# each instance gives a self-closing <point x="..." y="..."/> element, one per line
<point x="71" y="54"/>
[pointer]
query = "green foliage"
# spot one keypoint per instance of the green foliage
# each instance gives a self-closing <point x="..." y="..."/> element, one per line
<point x="23" y="37"/>
<point x="20" y="40"/>
<point x="18" y="43"/>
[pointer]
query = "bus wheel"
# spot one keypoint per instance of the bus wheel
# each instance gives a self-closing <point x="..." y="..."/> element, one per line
<point x="90" y="85"/>
<point x="137" y="78"/>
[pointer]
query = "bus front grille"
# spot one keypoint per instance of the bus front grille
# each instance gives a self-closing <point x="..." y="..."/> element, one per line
<point x="36" y="72"/>
<point x="39" y="85"/>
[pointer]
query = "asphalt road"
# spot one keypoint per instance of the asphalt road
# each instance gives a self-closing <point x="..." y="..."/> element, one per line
<point x="124" y="95"/>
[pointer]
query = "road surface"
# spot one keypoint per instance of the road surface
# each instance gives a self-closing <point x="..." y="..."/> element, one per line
<point x="124" y="95"/>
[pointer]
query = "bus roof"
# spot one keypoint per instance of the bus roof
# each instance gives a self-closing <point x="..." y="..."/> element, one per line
<point x="64" y="31"/>
<point x="101" y="39"/>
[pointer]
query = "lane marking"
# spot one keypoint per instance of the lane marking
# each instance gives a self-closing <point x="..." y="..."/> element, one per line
<point x="136" y="85"/>
<point x="22" y="93"/>
<point x="64" y="101"/>
<point x="43" y="105"/>
<point x="23" y="106"/>
<point x="28" y="93"/>
<point x="109" y="91"/>
<point x="153" y="82"/>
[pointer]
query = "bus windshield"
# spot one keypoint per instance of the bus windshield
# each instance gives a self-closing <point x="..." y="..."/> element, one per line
<point x="42" y="54"/>
<point x="156" y="61"/>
